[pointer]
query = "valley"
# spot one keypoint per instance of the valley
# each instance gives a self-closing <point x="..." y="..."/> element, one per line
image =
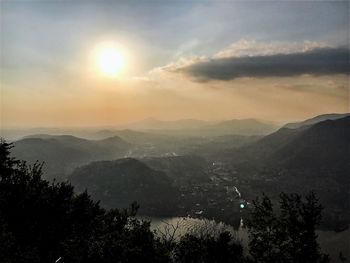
<point x="203" y="176"/>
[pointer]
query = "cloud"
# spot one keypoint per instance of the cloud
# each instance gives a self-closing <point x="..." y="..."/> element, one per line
<point x="322" y="61"/>
<point x="243" y="48"/>
<point x="180" y="64"/>
<point x="253" y="59"/>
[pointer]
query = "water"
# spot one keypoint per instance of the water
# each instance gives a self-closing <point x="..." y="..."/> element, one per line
<point x="331" y="242"/>
<point x="179" y="226"/>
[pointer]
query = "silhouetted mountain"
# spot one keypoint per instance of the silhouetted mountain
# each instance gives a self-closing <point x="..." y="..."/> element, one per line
<point x="118" y="183"/>
<point x="318" y="146"/>
<point x="182" y="169"/>
<point x="63" y="153"/>
<point x="325" y="145"/>
<point x="310" y="157"/>
<point x="314" y="120"/>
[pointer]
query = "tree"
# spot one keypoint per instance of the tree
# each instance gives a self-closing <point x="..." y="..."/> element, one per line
<point x="208" y="249"/>
<point x="262" y="228"/>
<point x="286" y="236"/>
<point x="42" y="221"/>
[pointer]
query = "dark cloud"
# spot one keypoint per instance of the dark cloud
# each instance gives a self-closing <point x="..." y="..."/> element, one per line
<point x="320" y="61"/>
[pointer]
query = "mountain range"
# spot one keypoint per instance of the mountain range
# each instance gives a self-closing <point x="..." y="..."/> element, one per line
<point x="312" y="157"/>
<point x="205" y="128"/>
<point x="62" y="154"/>
<point x="317" y="119"/>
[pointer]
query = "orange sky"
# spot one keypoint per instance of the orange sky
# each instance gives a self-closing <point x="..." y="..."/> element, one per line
<point x="183" y="60"/>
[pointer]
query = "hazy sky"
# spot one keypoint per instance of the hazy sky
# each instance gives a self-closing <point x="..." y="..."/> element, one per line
<point x="209" y="60"/>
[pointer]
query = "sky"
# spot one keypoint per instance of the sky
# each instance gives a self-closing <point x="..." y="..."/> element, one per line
<point x="212" y="60"/>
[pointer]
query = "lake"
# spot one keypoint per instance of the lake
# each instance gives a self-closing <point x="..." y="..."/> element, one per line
<point x="331" y="242"/>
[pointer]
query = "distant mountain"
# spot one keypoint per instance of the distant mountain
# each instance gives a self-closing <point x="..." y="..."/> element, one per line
<point x="155" y="124"/>
<point x="245" y="127"/>
<point x="317" y="119"/>
<point x="16" y="134"/>
<point x="20" y="133"/>
<point x="62" y="153"/>
<point x="137" y="137"/>
<point x="156" y="144"/>
<point x="119" y="183"/>
<point x="197" y="128"/>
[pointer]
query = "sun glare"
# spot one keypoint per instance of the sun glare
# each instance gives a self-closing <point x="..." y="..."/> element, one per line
<point x="110" y="61"/>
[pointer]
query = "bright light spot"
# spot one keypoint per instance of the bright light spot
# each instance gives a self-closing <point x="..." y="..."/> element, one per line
<point x="241" y="205"/>
<point x="110" y="62"/>
<point x="110" y="59"/>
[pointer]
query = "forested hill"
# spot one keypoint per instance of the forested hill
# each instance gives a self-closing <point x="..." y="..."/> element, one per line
<point x="118" y="183"/>
<point x="296" y="160"/>
<point x="63" y="153"/>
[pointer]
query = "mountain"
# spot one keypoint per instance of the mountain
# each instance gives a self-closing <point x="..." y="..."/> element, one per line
<point x="138" y="137"/>
<point x="62" y="153"/>
<point x="325" y="145"/>
<point x="155" y="144"/>
<point x="322" y="145"/>
<point x="119" y="183"/>
<point x="155" y="124"/>
<point x="245" y="127"/>
<point x="315" y="157"/>
<point x="196" y="128"/>
<point x="16" y="134"/>
<point x="181" y="169"/>
<point x="317" y="119"/>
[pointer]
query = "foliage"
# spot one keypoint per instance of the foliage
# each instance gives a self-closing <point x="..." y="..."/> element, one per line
<point x="286" y="236"/>
<point x="193" y="249"/>
<point x="42" y="222"/>
<point x="120" y="182"/>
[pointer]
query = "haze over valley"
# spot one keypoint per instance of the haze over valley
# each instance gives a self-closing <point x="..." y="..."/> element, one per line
<point x="174" y="131"/>
<point x="202" y="173"/>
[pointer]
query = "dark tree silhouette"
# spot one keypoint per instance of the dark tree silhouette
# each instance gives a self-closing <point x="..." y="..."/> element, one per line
<point x="42" y="221"/>
<point x="208" y="249"/>
<point x="287" y="235"/>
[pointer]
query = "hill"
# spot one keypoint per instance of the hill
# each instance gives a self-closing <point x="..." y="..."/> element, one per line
<point x="62" y="153"/>
<point x="118" y="183"/>
<point x="181" y="169"/>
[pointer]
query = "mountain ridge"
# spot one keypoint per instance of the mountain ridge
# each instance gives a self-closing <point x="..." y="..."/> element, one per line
<point x="316" y="119"/>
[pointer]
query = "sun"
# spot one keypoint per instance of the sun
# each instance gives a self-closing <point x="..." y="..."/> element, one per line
<point x="110" y="61"/>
